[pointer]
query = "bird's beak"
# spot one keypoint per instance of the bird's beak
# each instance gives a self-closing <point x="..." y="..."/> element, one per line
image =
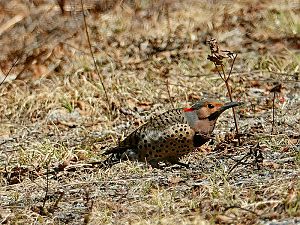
<point x="226" y="106"/>
<point x="229" y="105"/>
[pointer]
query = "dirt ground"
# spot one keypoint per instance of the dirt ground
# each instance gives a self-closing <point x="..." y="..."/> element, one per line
<point x="58" y="112"/>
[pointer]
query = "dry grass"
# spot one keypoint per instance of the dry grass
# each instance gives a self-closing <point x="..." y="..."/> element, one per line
<point x="54" y="115"/>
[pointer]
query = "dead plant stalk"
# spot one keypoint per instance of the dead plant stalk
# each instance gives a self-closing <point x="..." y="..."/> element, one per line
<point x="217" y="59"/>
<point x="10" y="69"/>
<point x="226" y="81"/>
<point x="94" y="60"/>
<point x="276" y="89"/>
<point x="273" y="112"/>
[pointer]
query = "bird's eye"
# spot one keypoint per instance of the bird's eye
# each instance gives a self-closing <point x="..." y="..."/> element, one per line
<point x="210" y="106"/>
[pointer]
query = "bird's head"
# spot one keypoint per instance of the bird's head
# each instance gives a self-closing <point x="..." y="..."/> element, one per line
<point x="203" y="115"/>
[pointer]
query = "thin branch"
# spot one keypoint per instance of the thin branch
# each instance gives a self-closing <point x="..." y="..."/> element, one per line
<point x="273" y="112"/>
<point x="231" y="67"/>
<point x="169" y="92"/>
<point x="233" y="111"/>
<point x="239" y="207"/>
<point x="47" y="186"/>
<point x="10" y="69"/>
<point x="165" y="75"/>
<point x="239" y="162"/>
<point x="166" y="7"/>
<point x="223" y="78"/>
<point x="226" y="80"/>
<point x="217" y="59"/>
<point x="55" y="205"/>
<point x="275" y="89"/>
<point x="94" y="60"/>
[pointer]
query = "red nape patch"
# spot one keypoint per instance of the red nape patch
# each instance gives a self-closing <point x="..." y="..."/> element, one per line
<point x="188" y="109"/>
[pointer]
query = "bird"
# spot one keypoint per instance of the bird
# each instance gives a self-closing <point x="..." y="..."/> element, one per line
<point x="169" y="136"/>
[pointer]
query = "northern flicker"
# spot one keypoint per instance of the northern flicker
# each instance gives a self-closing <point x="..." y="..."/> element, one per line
<point x="171" y="135"/>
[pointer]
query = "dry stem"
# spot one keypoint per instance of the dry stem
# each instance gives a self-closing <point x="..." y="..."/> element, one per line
<point x="94" y="60"/>
<point x="217" y="58"/>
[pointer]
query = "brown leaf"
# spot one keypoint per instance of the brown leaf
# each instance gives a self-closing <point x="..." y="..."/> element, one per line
<point x="255" y="83"/>
<point x="193" y="96"/>
<point x="175" y="180"/>
<point x="82" y="155"/>
<point x="292" y="196"/>
<point x="81" y="105"/>
<point x="39" y="70"/>
<point x="145" y="105"/>
<point x="271" y="164"/>
<point x="223" y="219"/>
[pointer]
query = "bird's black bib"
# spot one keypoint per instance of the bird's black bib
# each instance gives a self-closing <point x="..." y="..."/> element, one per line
<point x="199" y="139"/>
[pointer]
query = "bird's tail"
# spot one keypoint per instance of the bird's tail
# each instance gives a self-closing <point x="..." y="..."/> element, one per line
<point x="115" y="150"/>
<point x="114" y="157"/>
